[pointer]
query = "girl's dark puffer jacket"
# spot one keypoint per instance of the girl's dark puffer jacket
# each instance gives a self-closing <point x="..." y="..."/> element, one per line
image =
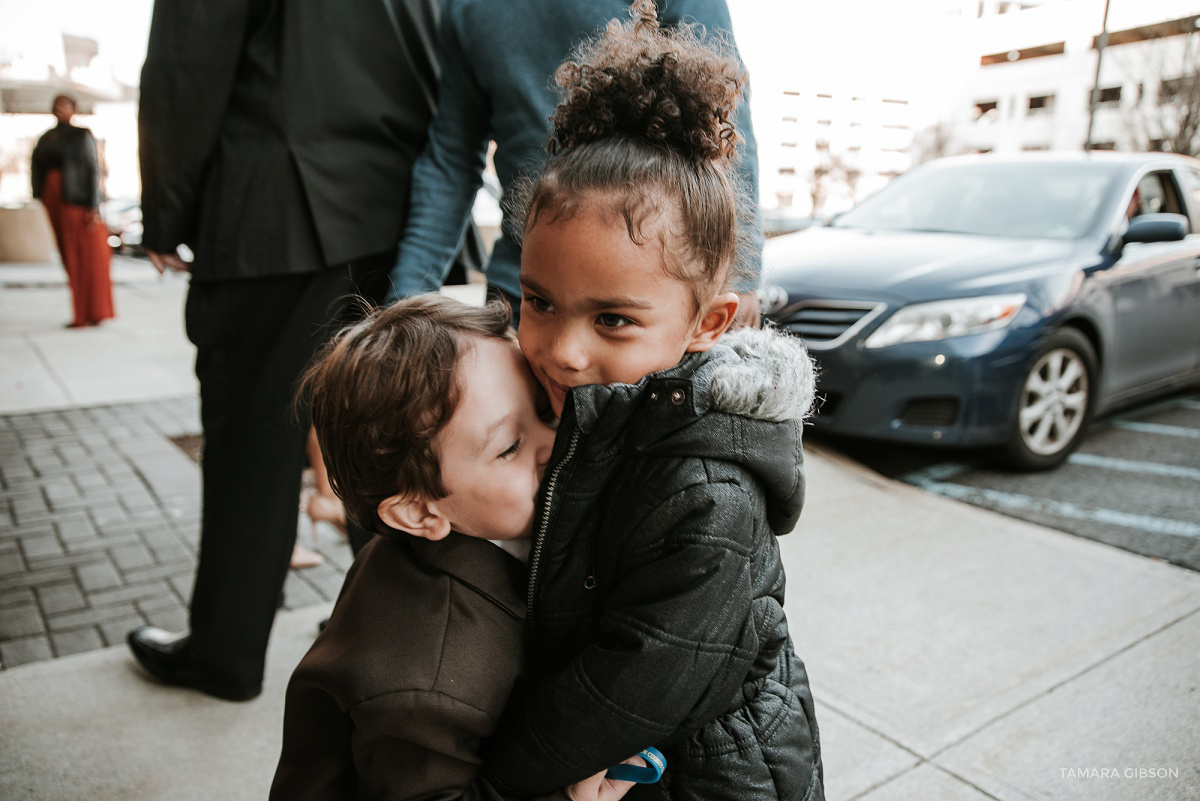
<point x="656" y="585"/>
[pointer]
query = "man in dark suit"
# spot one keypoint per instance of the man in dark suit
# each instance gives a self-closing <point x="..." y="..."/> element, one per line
<point x="277" y="140"/>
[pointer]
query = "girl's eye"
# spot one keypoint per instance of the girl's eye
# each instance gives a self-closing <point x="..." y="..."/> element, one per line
<point x="613" y="321"/>
<point x="537" y="303"/>
<point x="512" y="450"/>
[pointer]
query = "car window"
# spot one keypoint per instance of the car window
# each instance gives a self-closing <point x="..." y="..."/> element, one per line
<point x="1191" y="188"/>
<point x="1148" y="197"/>
<point x="1050" y="201"/>
<point x="1157" y="193"/>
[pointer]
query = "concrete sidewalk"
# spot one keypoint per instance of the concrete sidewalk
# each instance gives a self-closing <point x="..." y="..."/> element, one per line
<point x="142" y="354"/>
<point x="955" y="654"/>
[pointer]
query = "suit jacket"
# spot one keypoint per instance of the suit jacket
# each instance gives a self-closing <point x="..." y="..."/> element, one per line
<point x="277" y="136"/>
<point x="413" y="670"/>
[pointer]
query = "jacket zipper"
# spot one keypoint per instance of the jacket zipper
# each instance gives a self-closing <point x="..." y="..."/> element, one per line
<point x="536" y="557"/>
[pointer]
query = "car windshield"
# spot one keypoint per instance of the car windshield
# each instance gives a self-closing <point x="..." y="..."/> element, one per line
<point x="1036" y="200"/>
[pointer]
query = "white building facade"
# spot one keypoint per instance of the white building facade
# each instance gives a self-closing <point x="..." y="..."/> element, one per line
<point x="1031" y="85"/>
<point x="846" y="101"/>
<point x="842" y="94"/>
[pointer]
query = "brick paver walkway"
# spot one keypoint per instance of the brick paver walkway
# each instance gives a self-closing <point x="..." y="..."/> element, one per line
<point x="99" y="520"/>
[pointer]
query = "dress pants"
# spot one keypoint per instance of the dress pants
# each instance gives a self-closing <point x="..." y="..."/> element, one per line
<point x="254" y="338"/>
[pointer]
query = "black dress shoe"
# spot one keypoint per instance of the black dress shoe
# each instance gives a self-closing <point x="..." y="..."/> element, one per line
<point x="165" y="657"/>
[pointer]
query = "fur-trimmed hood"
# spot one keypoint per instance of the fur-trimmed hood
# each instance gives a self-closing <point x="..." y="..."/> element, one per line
<point x="772" y="378"/>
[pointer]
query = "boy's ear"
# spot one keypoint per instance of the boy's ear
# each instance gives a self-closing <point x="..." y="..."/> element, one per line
<point x="715" y="319"/>
<point x="415" y="516"/>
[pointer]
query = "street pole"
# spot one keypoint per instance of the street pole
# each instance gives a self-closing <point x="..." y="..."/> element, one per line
<point x="1095" y="98"/>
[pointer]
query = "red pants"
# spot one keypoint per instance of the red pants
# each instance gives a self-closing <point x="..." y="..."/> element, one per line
<point x="83" y="245"/>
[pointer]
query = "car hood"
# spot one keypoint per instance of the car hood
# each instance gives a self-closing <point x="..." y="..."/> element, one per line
<point x="907" y="266"/>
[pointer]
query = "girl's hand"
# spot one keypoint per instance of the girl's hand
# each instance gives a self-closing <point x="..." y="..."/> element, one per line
<point x="598" y="788"/>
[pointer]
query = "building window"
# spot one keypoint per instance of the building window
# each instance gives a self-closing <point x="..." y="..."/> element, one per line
<point x="1040" y="51"/>
<point x="785" y="199"/>
<point x="1040" y="104"/>
<point x="1033" y="148"/>
<point x="787" y="170"/>
<point x="986" y="108"/>
<point x="822" y="146"/>
<point x="791" y="93"/>
<point x="1110" y="96"/>
<point x="826" y="123"/>
<point x="790" y="119"/>
<point x="1103" y="146"/>
<point x="1169" y="91"/>
<point x="787" y="144"/>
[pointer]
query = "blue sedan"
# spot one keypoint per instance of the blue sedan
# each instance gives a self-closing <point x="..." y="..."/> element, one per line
<point x="998" y="301"/>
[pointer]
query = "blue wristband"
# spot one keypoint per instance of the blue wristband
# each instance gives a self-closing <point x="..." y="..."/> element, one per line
<point x="651" y="772"/>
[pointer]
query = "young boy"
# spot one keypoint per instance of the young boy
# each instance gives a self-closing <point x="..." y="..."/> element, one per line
<point x="429" y="421"/>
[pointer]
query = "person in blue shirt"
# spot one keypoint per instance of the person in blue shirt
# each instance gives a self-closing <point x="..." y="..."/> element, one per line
<point x="498" y="58"/>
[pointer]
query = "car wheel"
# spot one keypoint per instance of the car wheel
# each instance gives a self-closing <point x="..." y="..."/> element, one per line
<point x="1054" y="403"/>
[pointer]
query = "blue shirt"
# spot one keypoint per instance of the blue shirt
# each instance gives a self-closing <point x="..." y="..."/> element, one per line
<point x="498" y="59"/>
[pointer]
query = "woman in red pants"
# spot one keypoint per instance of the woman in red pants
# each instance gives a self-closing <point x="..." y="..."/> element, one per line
<point x="66" y="178"/>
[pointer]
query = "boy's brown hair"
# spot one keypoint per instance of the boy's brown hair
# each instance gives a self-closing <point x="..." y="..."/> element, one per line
<point x="380" y="392"/>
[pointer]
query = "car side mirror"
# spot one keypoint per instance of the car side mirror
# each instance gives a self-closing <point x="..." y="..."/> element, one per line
<point x="1156" y="228"/>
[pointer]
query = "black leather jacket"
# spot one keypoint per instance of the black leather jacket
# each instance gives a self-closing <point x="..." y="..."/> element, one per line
<point x="73" y="150"/>
<point x="657" y="588"/>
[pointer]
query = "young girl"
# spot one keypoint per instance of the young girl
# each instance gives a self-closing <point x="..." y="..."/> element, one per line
<point x="656" y="586"/>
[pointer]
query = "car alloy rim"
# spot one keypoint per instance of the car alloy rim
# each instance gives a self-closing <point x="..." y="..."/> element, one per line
<point x="1053" y="402"/>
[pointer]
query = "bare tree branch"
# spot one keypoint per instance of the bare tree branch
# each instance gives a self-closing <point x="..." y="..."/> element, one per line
<point x="1167" y="114"/>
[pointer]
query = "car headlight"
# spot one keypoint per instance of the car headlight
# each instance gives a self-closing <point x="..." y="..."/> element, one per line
<point x="942" y="319"/>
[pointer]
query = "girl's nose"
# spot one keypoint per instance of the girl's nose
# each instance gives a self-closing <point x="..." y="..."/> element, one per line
<point x="568" y="351"/>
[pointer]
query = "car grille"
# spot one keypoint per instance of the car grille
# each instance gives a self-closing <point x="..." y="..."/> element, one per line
<point x="939" y="412"/>
<point x="824" y="324"/>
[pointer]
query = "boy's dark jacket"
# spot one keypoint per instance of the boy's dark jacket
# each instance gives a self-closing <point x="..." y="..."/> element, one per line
<point x="412" y="671"/>
<point x="657" y="588"/>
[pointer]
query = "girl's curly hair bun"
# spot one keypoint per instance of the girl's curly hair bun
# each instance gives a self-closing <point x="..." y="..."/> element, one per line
<point x="676" y="88"/>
